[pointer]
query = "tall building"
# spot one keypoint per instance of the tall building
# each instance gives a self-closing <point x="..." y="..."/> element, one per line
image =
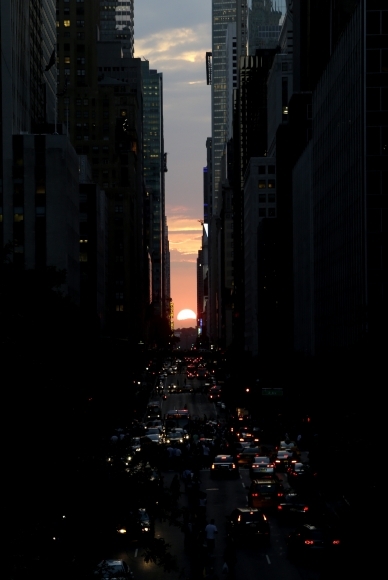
<point x="155" y="166"/>
<point x="264" y="24"/>
<point x="223" y="13"/>
<point x="345" y="164"/>
<point x="27" y="84"/>
<point x="117" y="23"/>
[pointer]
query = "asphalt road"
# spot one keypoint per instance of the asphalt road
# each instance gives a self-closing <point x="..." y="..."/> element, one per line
<point x="259" y="561"/>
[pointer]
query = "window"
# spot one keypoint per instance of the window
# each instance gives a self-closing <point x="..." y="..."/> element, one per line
<point x="272" y="212"/>
<point x="262" y="169"/>
<point x="271" y="169"/>
<point x="271" y="198"/>
<point x="271" y="183"/>
<point x="262" y="198"/>
<point x="262" y="212"/>
<point x="66" y="23"/>
<point x="262" y="184"/>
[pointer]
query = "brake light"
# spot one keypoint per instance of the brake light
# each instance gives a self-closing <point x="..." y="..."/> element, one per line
<point x="280" y="507"/>
<point x="255" y="495"/>
<point x="309" y="542"/>
<point x="336" y="542"/>
<point x="306" y="509"/>
<point x="280" y="494"/>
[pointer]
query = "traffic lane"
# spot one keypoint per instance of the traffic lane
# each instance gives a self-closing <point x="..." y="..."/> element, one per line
<point x="271" y="561"/>
<point x="317" y="567"/>
<point x="198" y="404"/>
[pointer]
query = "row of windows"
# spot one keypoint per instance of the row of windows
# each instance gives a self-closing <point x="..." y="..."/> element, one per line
<point x="267" y="212"/>
<point x="264" y="198"/>
<point x="264" y="184"/>
<point x="263" y="169"/>
<point x="66" y="23"/>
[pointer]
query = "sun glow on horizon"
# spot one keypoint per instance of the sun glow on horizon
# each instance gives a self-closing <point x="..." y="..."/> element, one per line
<point x="186" y="314"/>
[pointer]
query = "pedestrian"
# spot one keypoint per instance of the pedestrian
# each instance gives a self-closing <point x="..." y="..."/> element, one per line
<point x="210" y="535"/>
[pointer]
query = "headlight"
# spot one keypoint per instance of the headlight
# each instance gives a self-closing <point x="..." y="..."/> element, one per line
<point x="145" y="529"/>
<point x="122" y="531"/>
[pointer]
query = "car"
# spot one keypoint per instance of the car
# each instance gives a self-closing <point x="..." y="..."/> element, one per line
<point x="293" y="508"/>
<point x="313" y="540"/>
<point x="247" y="454"/>
<point x="246" y="523"/>
<point x="153" y="410"/>
<point x="214" y="393"/>
<point x="113" y="570"/>
<point x="282" y="459"/>
<point x="261" y="465"/>
<point x="176" y="435"/>
<point x="135" y="526"/>
<point x="265" y="493"/>
<point x="224" y="466"/>
<point x="300" y="476"/>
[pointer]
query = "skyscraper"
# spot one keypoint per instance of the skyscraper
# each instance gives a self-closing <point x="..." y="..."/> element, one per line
<point x="154" y="169"/>
<point x="223" y="12"/>
<point x="27" y="84"/>
<point x="116" y="23"/>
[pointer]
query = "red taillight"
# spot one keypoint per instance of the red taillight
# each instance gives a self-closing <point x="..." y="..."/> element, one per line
<point x="309" y="542"/>
<point x="336" y="542"/>
<point x="280" y="494"/>
<point x="280" y="507"/>
<point x="255" y="495"/>
<point x="305" y="509"/>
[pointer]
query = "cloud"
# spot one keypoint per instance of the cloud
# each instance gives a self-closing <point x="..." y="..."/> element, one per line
<point x="184" y="234"/>
<point x="176" y="49"/>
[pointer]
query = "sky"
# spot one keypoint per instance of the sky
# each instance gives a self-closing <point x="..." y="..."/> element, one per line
<point x="174" y="36"/>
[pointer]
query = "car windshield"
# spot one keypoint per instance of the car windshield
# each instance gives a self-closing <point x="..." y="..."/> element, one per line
<point x="262" y="460"/>
<point x="265" y="487"/>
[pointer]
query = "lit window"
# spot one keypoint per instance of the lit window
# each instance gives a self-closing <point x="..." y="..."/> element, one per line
<point x="262" y="184"/>
<point x="67" y="59"/>
<point x="271" y="183"/>
<point x="66" y="23"/>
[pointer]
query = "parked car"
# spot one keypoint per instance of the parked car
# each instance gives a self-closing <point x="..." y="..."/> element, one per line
<point x="113" y="570"/>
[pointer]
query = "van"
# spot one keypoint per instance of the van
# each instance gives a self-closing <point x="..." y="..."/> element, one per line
<point x="153" y="410"/>
<point x="265" y="493"/>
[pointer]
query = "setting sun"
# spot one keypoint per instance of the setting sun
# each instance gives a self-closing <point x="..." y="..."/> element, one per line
<point x="186" y="314"/>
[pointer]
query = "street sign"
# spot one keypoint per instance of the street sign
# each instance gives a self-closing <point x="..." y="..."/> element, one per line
<point x="272" y="392"/>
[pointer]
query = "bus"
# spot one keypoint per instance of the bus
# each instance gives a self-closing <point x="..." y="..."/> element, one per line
<point x="177" y="418"/>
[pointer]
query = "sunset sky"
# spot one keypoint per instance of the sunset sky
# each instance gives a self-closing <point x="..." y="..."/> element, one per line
<point x="174" y="36"/>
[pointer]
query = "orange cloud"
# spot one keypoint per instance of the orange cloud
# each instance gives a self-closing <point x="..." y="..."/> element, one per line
<point x="184" y="234"/>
